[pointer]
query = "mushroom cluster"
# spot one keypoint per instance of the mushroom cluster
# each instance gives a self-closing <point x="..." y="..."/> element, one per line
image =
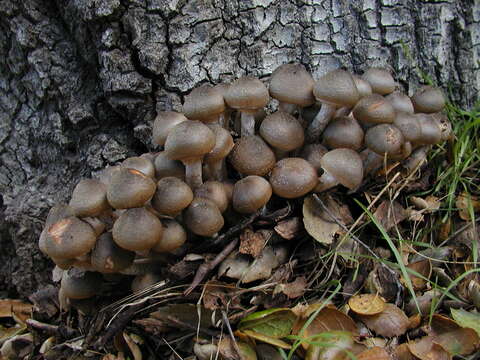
<point x="152" y="204"/>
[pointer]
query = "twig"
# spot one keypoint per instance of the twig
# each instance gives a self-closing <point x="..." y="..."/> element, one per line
<point x="49" y="329"/>
<point x="226" y="322"/>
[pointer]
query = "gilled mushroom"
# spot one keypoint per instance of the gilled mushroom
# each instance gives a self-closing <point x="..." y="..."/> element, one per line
<point x="428" y="99"/>
<point x="380" y="80"/>
<point x="174" y="236"/>
<point x="282" y="132"/>
<point x="292" y="86"/>
<point x="384" y="139"/>
<point x="137" y="229"/>
<point x="89" y="198"/>
<point x="251" y="156"/>
<point x="203" y="218"/>
<point x="374" y="109"/>
<point x="214" y="191"/>
<point x="80" y="286"/>
<point x="165" y="167"/>
<point x="247" y="95"/>
<point x="313" y="153"/>
<point x="204" y="103"/>
<point x="188" y="142"/>
<point x="400" y="102"/>
<point x="224" y="118"/>
<point x="172" y="196"/>
<point x="341" y="166"/>
<point x="293" y="177"/>
<point x="163" y="124"/>
<point x="335" y="89"/>
<point x="108" y="257"/>
<point x="215" y="159"/>
<point x="142" y="164"/>
<point x="129" y="188"/>
<point x="250" y="194"/>
<point x="343" y="132"/>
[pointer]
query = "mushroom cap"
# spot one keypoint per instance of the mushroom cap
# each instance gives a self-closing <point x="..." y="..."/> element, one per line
<point x="252" y="156"/>
<point x="223" y="144"/>
<point x="345" y="165"/>
<point x="282" y="131"/>
<point x="374" y="109"/>
<point x="142" y="164"/>
<point x="384" y="139"/>
<point x="137" y="229"/>
<point x="292" y="84"/>
<point x="364" y="88"/>
<point x="313" y="153"/>
<point x="250" y="194"/>
<point x="105" y="175"/>
<point x="380" y="80"/>
<point x="129" y="188"/>
<point x="172" y="196"/>
<point x="56" y="213"/>
<point x="214" y="191"/>
<point x="68" y="238"/>
<point x="409" y="126"/>
<point x="150" y="156"/>
<point x="293" y="177"/>
<point x="80" y="287"/>
<point x="343" y="132"/>
<point x="189" y="141"/>
<point x="165" y="167"/>
<point x="444" y="124"/>
<point x="336" y="88"/>
<point x="204" y="103"/>
<point x="428" y="99"/>
<point x="400" y="102"/>
<point x="174" y="236"/>
<point x="89" y="198"/>
<point x="430" y="129"/>
<point x="108" y="257"/>
<point x="247" y="94"/>
<point x="164" y="123"/>
<point x="202" y="217"/>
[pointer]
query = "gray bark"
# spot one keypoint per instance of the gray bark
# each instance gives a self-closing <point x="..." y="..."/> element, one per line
<point x="81" y="80"/>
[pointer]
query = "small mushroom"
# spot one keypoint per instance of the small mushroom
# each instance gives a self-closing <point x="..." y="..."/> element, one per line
<point x="224" y="118"/>
<point x="374" y="109"/>
<point x="428" y="99"/>
<point x="164" y="123"/>
<point x="215" y="159"/>
<point x="444" y="124"/>
<point x="174" y="236"/>
<point x="203" y="218"/>
<point x="364" y="88"/>
<point x="172" y="196"/>
<point x="108" y="257"/>
<point x="250" y="194"/>
<point x="165" y="167"/>
<point x="247" y="95"/>
<point x="214" y="191"/>
<point x="89" y="198"/>
<point x="384" y="139"/>
<point x="188" y="142"/>
<point x="293" y="177"/>
<point x="380" y="80"/>
<point x="129" y="188"/>
<point x="408" y="124"/>
<point x="371" y="161"/>
<point x="343" y="132"/>
<point x="400" y="102"/>
<point x="204" y="103"/>
<point x="251" y="156"/>
<point x="137" y="229"/>
<point x="430" y="129"/>
<point x="142" y="164"/>
<point x="80" y="286"/>
<point x="341" y="166"/>
<point x="106" y="174"/>
<point x="313" y="153"/>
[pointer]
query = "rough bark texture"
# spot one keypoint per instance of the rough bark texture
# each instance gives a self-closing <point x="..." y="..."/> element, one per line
<point x="81" y="80"/>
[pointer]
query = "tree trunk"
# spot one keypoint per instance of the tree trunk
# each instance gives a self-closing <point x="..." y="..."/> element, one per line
<point x="81" y="80"/>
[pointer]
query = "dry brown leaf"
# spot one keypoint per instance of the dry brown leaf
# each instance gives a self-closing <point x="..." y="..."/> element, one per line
<point x="375" y="353"/>
<point x="252" y="243"/>
<point x="424" y="268"/>
<point x="132" y="345"/>
<point x="215" y="295"/>
<point x="445" y="229"/>
<point x="414" y="321"/>
<point x="429" y="204"/>
<point x="15" y="308"/>
<point x="389" y="214"/>
<point x="366" y="304"/>
<point x="384" y="282"/>
<point x="289" y="228"/>
<point x="426" y="349"/>
<point x="390" y="322"/>
<point x="293" y="289"/>
<point x="402" y="352"/>
<point x="463" y="203"/>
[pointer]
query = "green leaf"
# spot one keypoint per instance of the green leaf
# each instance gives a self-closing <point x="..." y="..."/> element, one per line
<point x="274" y="323"/>
<point x="268" y="339"/>
<point x="467" y="319"/>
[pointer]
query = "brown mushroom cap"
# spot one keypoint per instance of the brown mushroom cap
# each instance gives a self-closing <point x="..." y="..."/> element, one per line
<point x="430" y="129"/>
<point x="202" y="217"/>
<point x="374" y="109"/>
<point x="223" y="145"/>
<point x="129" y="188"/>
<point x="204" y="103"/>
<point x="174" y="236"/>
<point x="343" y="132"/>
<point x="247" y="94"/>
<point x="282" y="131"/>
<point x="108" y="257"/>
<point x="292" y="84"/>
<point x="384" y="139"/>
<point x="56" y="213"/>
<point x="428" y="99"/>
<point x="293" y="177"/>
<point x="336" y="88"/>
<point x="214" y="191"/>
<point x="69" y="238"/>
<point x="363" y="86"/>
<point x="400" y="102"/>
<point x="345" y="165"/>
<point x="137" y="229"/>
<point x="313" y="154"/>
<point x="89" y="198"/>
<point x="409" y="126"/>
<point x="81" y="286"/>
<point x="380" y="80"/>
<point x="144" y="165"/>
<point x="106" y="174"/>
<point x="250" y="194"/>
<point x="251" y="156"/>
<point x="150" y="156"/>
<point x="444" y="124"/>
<point x="164" y="123"/>
<point x="165" y="167"/>
<point x="172" y="196"/>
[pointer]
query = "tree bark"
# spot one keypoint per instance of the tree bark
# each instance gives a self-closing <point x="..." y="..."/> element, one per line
<point x="81" y="80"/>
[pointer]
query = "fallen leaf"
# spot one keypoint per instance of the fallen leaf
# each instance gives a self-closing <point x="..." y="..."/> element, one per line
<point x="252" y="243"/>
<point x="423" y="268"/>
<point x="366" y="304"/>
<point x="375" y="353"/>
<point x="226" y="348"/>
<point x="384" y="282"/>
<point x="132" y="345"/>
<point x="289" y="228"/>
<point x="335" y="345"/>
<point x="467" y="319"/>
<point x="276" y="323"/>
<point x="293" y="289"/>
<point x="216" y="295"/>
<point x="429" y="204"/>
<point x="262" y="267"/>
<point x="402" y="352"/>
<point x="15" y="308"/>
<point x="389" y="214"/>
<point x="426" y="349"/>
<point x="390" y="322"/>
<point x="414" y="321"/>
<point x="267" y="339"/>
<point x="463" y="203"/>
<point x="188" y="314"/>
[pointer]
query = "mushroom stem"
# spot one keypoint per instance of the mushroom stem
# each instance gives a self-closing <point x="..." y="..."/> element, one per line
<point x="193" y="173"/>
<point x="325" y="182"/>
<point x="218" y="170"/>
<point x="320" y="122"/>
<point x="343" y="111"/>
<point x="248" y="124"/>
<point x="287" y="107"/>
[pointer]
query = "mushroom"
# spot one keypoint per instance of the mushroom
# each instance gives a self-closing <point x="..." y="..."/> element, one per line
<point x="282" y="132"/>
<point x="380" y="80"/>
<point x="341" y="166"/>
<point x="364" y="88"/>
<point x="80" y="286"/>
<point x="172" y="196"/>
<point x="371" y="161"/>
<point x="293" y="177"/>
<point x="202" y="217"/>
<point x="174" y="236"/>
<point x="343" y="132"/>
<point x="384" y="139"/>
<point x="313" y="153"/>
<point x="89" y="198"/>
<point x="204" y="103"/>
<point x="215" y="159"/>
<point x="292" y="86"/>
<point x="428" y="99"/>
<point x="400" y="102"/>
<point x="409" y="125"/>
<point x="214" y="191"/>
<point x="250" y="194"/>
<point x="165" y="167"/>
<point x="108" y="257"/>
<point x="137" y="229"/>
<point x="105" y="175"/>
<point x="444" y="124"/>
<point x="224" y="118"/>
<point x="430" y="129"/>
<point x="247" y="95"/>
<point x="142" y="164"/>
<point x="334" y="89"/>
<point x="129" y="188"/>
<point x="188" y="142"/>
<point x="164" y="123"/>
<point x="374" y="109"/>
<point x="251" y="156"/>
